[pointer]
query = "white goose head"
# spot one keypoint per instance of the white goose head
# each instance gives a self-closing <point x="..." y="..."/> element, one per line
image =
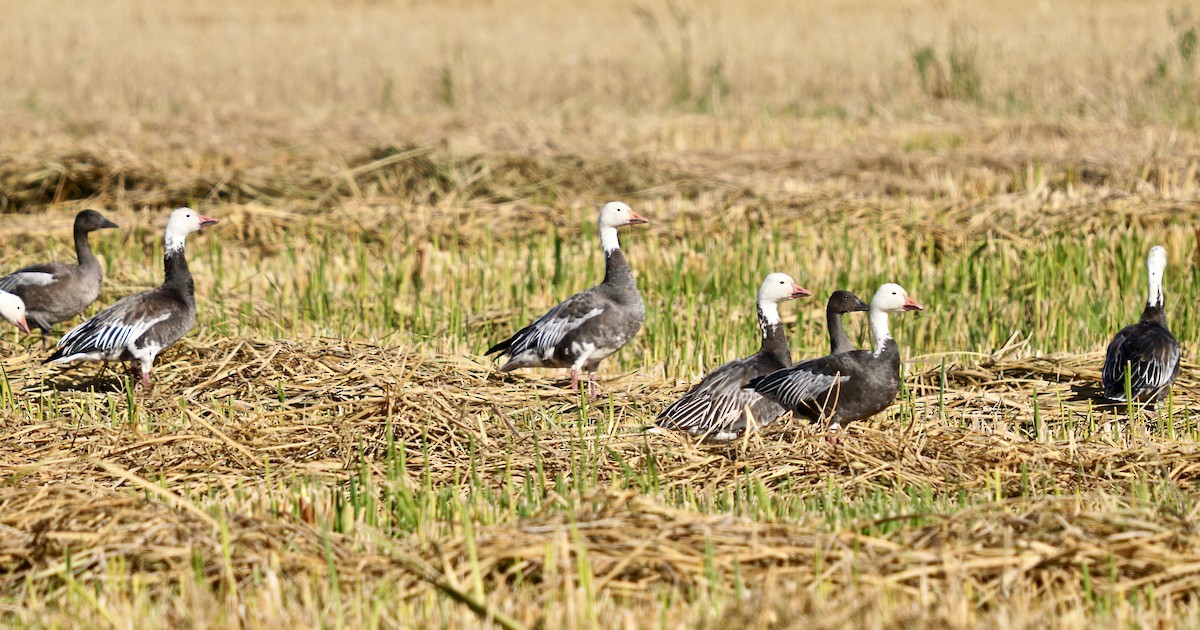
<point x="777" y="287"/>
<point x="613" y="215"/>
<point x="184" y="221"/>
<point x="12" y="309"/>
<point x="890" y="298"/>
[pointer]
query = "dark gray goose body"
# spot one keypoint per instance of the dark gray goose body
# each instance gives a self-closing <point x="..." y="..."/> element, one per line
<point x="716" y="406"/>
<point x="590" y="325"/>
<point x="1147" y="348"/>
<point x="138" y="327"/>
<point x="842" y="388"/>
<point x="57" y="291"/>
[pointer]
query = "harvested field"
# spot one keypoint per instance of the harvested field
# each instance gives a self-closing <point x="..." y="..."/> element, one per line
<point x="329" y="448"/>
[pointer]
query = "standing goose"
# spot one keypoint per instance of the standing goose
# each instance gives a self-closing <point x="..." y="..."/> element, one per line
<point x="140" y="326"/>
<point x="57" y="291"/>
<point x="716" y="406"/>
<point x="840" y="303"/>
<point x="842" y="388"/>
<point x="590" y="325"/>
<point x="1147" y="347"/>
<point x="12" y="309"/>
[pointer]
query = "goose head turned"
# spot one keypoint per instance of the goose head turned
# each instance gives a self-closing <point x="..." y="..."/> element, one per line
<point x="12" y="309"/>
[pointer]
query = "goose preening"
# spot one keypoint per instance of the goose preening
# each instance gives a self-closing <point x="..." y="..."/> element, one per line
<point x="138" y="327"/>
<point x="12" y="309"/>
<point x="842" y="388"/>
<point x="57" y="291"/>
<point x="590" y="325"/>
<point x="1147" y="347"/>
<point x="716" y="406"/>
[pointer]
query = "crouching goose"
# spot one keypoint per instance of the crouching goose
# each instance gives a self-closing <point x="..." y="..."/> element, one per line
<point x="716" y="407"/>
<point x="1147" y="348"/>
<point x="842" y="388"/>
<point x="138" y="327"/>
<point x="57" y="291"/>
<point x="12" y="309"/>
<point x="590" y="325"/>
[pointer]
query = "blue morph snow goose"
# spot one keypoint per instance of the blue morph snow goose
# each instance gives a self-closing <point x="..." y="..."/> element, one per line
<point x="716" y="407"/>
<point x="12" y="309"/>
<point x="840" y="303"/>
<point x="1147" y="347"/>
<point x="57" y="291"/>
<point x="590" y="325"/>
<point x="842" y="388"/>
<point x="138" y="327"/>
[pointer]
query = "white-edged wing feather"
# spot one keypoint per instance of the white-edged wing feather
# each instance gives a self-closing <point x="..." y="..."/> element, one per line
<point x="715" y="404"/>
<point x="107" y="335"/>
<point x="26" y="279"/>
<point x="799" y="385"/>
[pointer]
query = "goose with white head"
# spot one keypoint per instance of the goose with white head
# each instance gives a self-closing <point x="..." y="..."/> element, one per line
<point x="12" y="309"/>
<point x="139" y="327"/>
<point x="842" y="388"/>
<point x="57" y="291"/>
<point x="588" y="326"/>
<point x="719" y="407"/>
<point x="1147" y="349"/>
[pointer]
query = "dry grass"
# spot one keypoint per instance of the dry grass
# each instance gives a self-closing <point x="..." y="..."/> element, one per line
<point x="218" y="488"/>
<point x="401" y="184"/>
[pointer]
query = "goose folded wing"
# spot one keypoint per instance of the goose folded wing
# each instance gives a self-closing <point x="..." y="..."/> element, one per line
<point x="544" y="335"/>
<point x="715" y="403"/>
<point x="1152" y="358"/>
<point x="802" y="384"/>
<point x="113" y="328"/>
<point x="33" y="276"/>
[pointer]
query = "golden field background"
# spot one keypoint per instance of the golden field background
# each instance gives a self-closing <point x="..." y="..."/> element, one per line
<point x="402" y="183"/>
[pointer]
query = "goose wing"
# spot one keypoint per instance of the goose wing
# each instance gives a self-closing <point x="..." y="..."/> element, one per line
<point x="106" y="335"/>
<point x="1151" y="353"/>
<point x="716" y="404"/>
<point x="806" y="384"/>
<point x="539" y="340"/>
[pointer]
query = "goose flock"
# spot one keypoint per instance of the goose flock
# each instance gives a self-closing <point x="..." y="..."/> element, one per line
<point x="134" y="329"/>
<point x="847" y="385"/>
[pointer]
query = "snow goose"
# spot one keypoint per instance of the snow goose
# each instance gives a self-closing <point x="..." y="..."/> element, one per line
<point x="716" y="407"/>
<point x="842" y="388"/>
<point x="590" y="325"/>
<point x="12" y="309"/>
<point x="1147" y="348"/>
<point x="57" y="291"/>
<point x="840" y="303"/>
<point x="138" y="327"/>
